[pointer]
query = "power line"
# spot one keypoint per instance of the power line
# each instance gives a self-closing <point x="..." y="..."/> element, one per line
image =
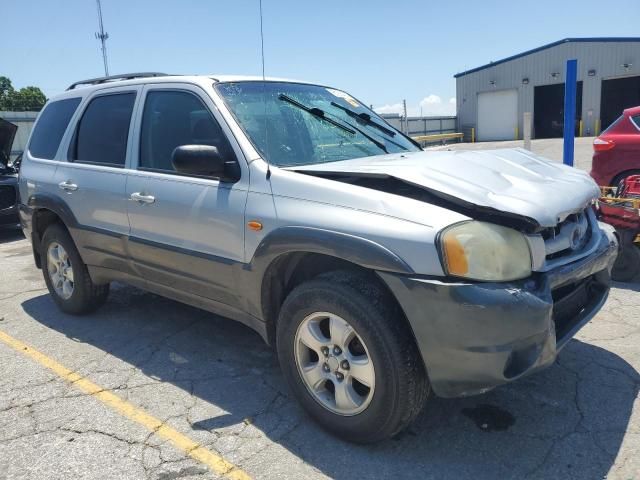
<point x="102" y="36"/>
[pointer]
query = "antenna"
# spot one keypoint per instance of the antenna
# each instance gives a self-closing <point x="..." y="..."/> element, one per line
<point x="261" y="40"/>
<point x="102" y="36"/>
<point x="264" y="95"/>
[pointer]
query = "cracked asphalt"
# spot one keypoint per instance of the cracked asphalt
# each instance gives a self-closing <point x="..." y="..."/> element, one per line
<point x="214" y="381"/>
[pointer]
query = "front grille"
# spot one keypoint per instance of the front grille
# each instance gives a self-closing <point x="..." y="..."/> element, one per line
<point x="7" y="196"/>
<point x="572" y="302"/>
<point x="568" y="237"/>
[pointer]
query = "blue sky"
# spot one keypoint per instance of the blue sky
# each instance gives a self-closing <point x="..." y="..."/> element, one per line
<point x="380" y="51"/>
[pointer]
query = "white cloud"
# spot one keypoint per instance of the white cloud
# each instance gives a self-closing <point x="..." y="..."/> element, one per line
<point x="395" y="108"/>
<point x="431" y="105"/>
<point x="430" y="100"/>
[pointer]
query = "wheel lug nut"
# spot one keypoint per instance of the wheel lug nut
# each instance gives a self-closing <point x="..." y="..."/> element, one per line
<point x="339" y="376"/>
<point x="336" y="350"/>
<point x="344" y="365"/>
<point x="325" y="351"/>
<point x="325" y="367"/>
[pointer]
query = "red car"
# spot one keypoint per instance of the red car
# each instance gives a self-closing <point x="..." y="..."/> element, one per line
<point x="617" y="150"/>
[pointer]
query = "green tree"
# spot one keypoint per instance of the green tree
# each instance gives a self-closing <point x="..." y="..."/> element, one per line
<point x="6" y="91"/>
<point x="26" y="99"/>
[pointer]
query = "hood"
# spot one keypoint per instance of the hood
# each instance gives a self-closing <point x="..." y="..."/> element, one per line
<point x="512" y="181"/>
<point x="7" y="134"/>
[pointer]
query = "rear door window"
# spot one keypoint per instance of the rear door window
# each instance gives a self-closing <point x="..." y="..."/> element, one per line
<point x="101" y="137"/>
<point x="50" y="128"/>
<point x="636" y="121"/>
<point x="174" y="118"/>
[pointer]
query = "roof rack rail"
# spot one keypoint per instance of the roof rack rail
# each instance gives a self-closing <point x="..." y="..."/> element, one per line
<point x="123" y="76"/>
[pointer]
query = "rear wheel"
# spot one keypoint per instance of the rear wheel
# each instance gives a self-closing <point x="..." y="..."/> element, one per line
<point x="627" y="265"/>
<point x="619" y="179"/>
<point x="66" y="275"/>
<point x="349" y="357"/>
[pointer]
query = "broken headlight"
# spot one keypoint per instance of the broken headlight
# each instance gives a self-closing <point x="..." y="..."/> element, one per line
<point x="484" y="251"/>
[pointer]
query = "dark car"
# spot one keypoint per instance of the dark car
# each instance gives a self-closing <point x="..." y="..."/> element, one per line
<point x="8" y="177"/>
<point x="616" y="152"/>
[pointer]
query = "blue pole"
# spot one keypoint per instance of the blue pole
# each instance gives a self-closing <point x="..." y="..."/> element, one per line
<point x="570" y="110"/>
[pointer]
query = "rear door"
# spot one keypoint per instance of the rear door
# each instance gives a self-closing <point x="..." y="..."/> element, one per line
<point x="187" y="232"/>
<point x="93" y="180"/>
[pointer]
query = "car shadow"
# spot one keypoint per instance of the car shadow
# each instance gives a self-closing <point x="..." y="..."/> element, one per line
<point x="10" y="234"/>
<point x="633" y="286"/>
<point x="568" y="421"/>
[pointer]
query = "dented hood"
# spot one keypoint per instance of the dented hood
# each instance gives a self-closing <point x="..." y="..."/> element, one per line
<point x="514" y="181"/>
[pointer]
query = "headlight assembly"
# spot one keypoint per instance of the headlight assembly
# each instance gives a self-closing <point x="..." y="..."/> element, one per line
<point x="484" y="251"/>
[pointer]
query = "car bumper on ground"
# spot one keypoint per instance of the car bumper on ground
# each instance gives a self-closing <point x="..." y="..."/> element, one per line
<point x="476" y="336"/>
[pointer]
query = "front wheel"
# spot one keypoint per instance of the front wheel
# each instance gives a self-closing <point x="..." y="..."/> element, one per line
<point x="627" y="265"/>
<point x="349" y="357"/>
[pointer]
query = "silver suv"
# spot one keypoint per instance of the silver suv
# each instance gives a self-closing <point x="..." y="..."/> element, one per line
<point x="380" y="272"/>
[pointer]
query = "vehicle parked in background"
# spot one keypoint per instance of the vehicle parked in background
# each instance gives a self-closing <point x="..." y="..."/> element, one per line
<point x="8" y="177"/>
<point x="620" y="207"/>
<point x="616" y="152"/>
<point x="379" y="271"/>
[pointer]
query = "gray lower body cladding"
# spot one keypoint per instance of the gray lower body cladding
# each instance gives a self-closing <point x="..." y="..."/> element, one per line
<point x="476" y="336"/>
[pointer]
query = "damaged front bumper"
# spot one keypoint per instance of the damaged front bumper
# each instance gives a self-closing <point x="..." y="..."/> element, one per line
<point x="476" y="336"/>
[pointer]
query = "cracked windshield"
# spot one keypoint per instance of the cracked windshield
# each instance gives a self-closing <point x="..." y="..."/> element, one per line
<point x="296" y="124"/>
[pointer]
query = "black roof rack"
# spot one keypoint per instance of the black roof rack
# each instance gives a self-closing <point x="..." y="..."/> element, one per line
<point x="122" y="76"/>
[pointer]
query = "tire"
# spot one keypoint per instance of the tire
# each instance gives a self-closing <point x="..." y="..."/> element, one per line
<point x="618" y="179"/>
<point x="627" y="265"/>
<point x="400" y="385"/>
<point x="84" y="296"/>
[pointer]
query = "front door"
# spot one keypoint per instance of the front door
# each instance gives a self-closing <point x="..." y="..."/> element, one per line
<point x="187" y="232"/>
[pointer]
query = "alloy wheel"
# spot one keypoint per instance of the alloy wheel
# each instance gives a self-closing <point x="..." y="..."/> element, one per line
<point x="60" y="270"/>
<point x="334" y="363"/>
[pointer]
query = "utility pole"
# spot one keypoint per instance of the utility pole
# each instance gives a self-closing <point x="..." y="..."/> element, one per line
<point x="102" y="36"/>
<point x="406" y="120"/>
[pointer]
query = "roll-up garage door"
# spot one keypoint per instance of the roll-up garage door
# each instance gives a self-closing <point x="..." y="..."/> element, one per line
<point x="497" y="115"/>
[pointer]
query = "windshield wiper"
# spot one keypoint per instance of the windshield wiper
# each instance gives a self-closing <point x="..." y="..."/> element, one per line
<point x="316" y="112"/>
<point x="319" y="113"/>
<point x="364" y="117"/>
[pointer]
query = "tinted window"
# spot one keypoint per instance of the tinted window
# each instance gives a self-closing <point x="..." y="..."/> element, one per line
<point x="50" y="128"/>
<point x="103" y="130"/>
<point x="636" y="121"/>
<point x="171" y="119"/>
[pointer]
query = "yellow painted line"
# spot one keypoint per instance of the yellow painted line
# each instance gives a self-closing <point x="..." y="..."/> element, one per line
<point x="215" y="462"/>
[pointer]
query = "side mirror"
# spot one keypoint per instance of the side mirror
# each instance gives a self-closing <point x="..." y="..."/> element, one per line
<point x="204" y="161"/>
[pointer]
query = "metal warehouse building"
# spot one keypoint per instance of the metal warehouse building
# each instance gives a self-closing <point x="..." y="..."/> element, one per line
<point x="492" y="99"/>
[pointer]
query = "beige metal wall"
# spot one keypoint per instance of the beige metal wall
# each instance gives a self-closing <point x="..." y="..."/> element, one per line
<point x="24" y="121"/>
<point x="606" y="58"/>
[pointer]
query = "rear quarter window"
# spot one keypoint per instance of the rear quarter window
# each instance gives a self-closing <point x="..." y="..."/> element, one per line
<point x="636" y="121"/>
<point x="50" y="127"/>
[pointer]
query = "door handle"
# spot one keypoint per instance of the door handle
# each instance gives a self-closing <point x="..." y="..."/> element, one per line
<point x="139" y="197"/>
<point x="68" y="186"/>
